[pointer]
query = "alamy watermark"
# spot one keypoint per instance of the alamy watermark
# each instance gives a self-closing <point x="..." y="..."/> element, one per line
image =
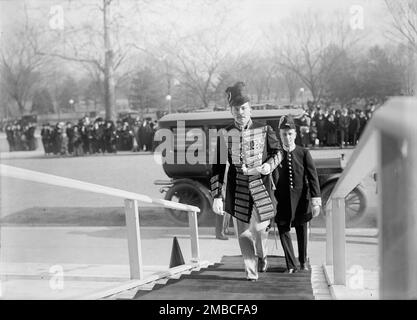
<point x="56" y="17"/>
<point x="57" y="279"/>
<point x="179" y="146"/>
<point x="356" y="277"/>
<point x="357" y="17"/>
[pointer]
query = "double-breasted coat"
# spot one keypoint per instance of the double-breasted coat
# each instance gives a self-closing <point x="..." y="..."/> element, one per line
<point x="251" y="147"/>
<point x="297" y="185"/>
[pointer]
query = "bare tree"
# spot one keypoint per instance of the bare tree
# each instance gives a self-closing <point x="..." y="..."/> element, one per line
<point x="403" y="29"/>
<point x="20" y="65"/>
<point x="196" y="60"/>
<point x="404" y="21"/>
<point x="305" y="45"/>
<point x="260" y="71"/>
<point x="198" y="55"/>
<point x="101" y="50"/>
<point x="292" y="82"/>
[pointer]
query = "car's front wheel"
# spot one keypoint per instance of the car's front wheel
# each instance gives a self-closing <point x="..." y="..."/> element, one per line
<point x="355" y="203"/>
<point x="188" y="194"/>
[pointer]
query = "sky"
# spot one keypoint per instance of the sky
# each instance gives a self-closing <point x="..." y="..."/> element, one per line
<point x="254" y="14"/>
<point x="264" y="12"/>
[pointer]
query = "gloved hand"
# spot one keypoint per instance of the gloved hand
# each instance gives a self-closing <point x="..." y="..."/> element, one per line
<point x="265" y="169"/>
<point x="218" y="206"/>
<point x="316" y="211"/>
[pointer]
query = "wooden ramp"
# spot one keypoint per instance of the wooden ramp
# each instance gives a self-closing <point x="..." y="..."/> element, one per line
<point x="226" y="281"/>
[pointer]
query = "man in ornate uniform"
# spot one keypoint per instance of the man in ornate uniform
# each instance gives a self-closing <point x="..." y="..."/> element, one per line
<point x="297" y="189"/>
<point x="253" y="152"/>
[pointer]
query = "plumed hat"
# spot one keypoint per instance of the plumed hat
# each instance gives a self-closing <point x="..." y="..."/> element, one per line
<point x="286" y="122"/>
<point x="237" y="95"/>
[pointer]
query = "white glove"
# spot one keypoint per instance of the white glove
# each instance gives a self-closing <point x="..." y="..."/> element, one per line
<point x="218" y="206"/>
<point x="265" y="169"/>
<point x="251" y="171"/>
<point x="316" y="211"/>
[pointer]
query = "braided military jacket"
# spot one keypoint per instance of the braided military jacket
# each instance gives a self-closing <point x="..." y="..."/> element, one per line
<point x="248" y="147"/>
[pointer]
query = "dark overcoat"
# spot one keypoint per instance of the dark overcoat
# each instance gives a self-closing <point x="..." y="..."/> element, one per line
<point x="297" y="184"/>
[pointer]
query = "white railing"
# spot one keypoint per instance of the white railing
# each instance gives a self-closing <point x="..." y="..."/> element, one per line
<point x="131" y="210"/>
<point x="389" y="145"/>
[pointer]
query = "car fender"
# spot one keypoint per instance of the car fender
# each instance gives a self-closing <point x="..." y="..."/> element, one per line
<point x="328" y="179"/>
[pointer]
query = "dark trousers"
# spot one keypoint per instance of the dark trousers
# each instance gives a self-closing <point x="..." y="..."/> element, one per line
<point x="285" y="237"/>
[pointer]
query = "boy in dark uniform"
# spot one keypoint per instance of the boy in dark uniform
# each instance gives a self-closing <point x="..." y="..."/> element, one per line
<point x="297" y="185"/>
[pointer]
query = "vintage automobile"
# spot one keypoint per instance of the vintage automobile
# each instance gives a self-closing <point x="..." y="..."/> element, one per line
<point x="190" y="182"/>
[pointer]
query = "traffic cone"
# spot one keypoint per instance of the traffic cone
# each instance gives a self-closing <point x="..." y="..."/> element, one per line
<point x="176" y="256"/>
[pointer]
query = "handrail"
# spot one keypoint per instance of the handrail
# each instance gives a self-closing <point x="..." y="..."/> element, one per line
<point x="390" y="118"/>
<point x="30" y="175"/>
<point x="131" y="210"/>
<point x="388" y="144"/>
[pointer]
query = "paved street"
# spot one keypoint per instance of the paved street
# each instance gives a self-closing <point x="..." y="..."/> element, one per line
<point x="125" y="171"/>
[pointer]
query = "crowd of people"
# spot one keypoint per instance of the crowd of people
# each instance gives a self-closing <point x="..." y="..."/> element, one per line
<point x="317" y="127"/>
<point x="100" y="136"/>
<point x="321" y="127"/>
<point x="21" y="136"/>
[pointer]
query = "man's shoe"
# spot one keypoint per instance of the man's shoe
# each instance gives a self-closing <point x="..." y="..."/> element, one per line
<point x="262" y="264"/>
<point x="251" y="280"/>
<point x="291" y="270"/>
<point x="303" y="267"/>
<point x="221" y="237"/>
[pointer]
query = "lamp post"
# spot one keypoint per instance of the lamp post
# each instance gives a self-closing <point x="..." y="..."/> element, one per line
<point x="168" y="75"/>
<point x="169" y="98"/>
<point x="302" y="96"/>
<point x="71" y="102"/>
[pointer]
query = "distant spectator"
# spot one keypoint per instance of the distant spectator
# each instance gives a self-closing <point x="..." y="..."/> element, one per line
<point x="343" y="125"/>
<point x="330" y="128"/>
<point x="354" y="126"/>
<point x="362" y="120"/>
<point x="305" y="130"/>
<point x="70" y="135"/>
<point x="77" y="142"/>
<point x="10" y="137"/>
<point x="321" y="129"/>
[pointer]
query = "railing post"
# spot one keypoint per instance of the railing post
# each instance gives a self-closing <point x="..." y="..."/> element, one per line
<point x="398" y="205"/>
<point x="339" y="241"/>
<point x="329" y="235"/>
<point x="195" y="249"/>
<point x="133" y="239"/>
